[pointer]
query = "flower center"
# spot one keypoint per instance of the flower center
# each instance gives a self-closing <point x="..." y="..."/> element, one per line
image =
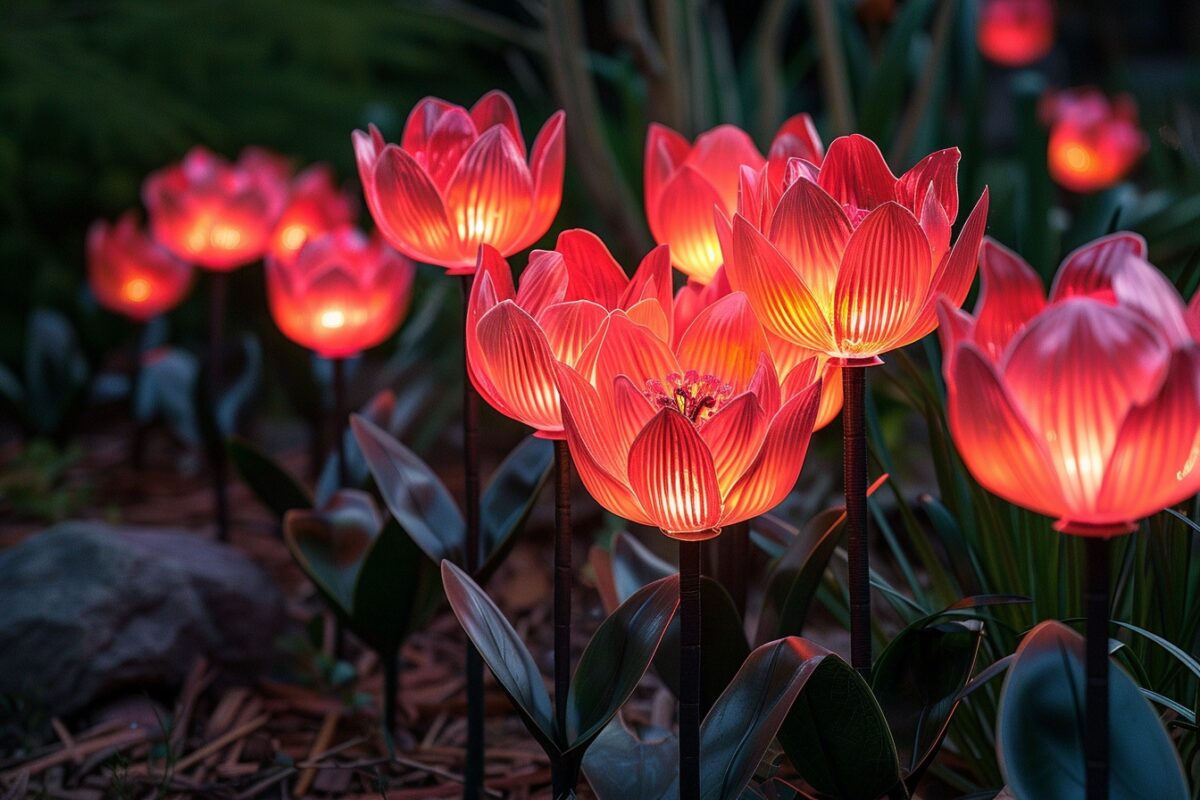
<point x="695" y="396"/>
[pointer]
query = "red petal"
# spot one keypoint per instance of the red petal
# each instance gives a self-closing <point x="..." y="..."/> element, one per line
<point x="496" y="108"/>
<point x="671" y="472"/>
<point x="631" y="410"/>
<point x="665" y="152"/>
<point x="855" y="174"/>
<point x="954" y="326"/>
<point x="490" y="197"/>
<point x="685" y="222"/>
<point x="938" y="169"/>
<point x="409" y="211"/>
<point x="754" y="198"/>
<point x="995" y="441"/>
<point x="448" y="142"/>
<point x="570" y="326"/>
<point x="733" y="436"/>
<point x="648" y="313"/>
<point x="519" y="364"/>
<point x="719" y="155"/>
<point x="1074" y="372"/>
<point x="1010" y="295"/>
<point x="622" y="347"/>
<point x="936" y="226"/>
<point x="777" y="465"/>
<point x="1153" y="464"/>
<point x="543" y="283"/>
<point x="883" y="284"/>
<point x="810" y="230"/>
<point x="1193" y="316"/>
<point x="546" y="166"/>
<point x="594" y="422"/>
<point x="651" y="280"/>
<point x="1088" y="270"/>
<point x="421" y="121"/>
<point x="797" y="138"/>
<point x="725" y="341"/>
<point x="778" y="294"/>
<point x="593" y="273"/>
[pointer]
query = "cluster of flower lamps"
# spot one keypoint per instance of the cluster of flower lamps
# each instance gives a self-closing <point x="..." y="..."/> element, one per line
<point x="691" y="410"/>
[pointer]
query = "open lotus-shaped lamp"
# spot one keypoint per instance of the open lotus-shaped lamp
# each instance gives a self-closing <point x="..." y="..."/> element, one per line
<point x="130" y="273"/>
<point x="314" y="205"/>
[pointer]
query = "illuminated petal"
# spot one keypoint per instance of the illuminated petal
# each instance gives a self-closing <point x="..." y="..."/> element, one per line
<point x="1010" y="295"/>
<point x="496" y="108"/>
<point x="1193" y="316"/>
<point x="490" y="197"/>
<point x="954" y="275"/>
<point x="622" y="347"/>
<point x="831" y="396"/>
<point x="995" y="441"/>
<point x="1088" y="270"/>
<point x="954" y="326"/>
<point x="725" y="341"/>
<point x="594" y="428"/>
<point x="685" y="223"/>
<point x="517" y="359"/>
<point x="543" y="283"/>
<point x="651" y="280"/>
<point x="883" y="283"/>
<point x="546" y="166"/>
<point x="778" y="294"/>
<point x="367" y="148"/>
<point x="1154" y="461"/>
<point x="448" y="142"/>
<point x="570" y="326"/>
<point x="665" y="152"/>
<point x="777" y="465"/>
<point x="649" y="313"/>
<point x="631" y="410"/>
<point x="855" y="174"/>
<point x="936" y="172"/>
<point x="797" y="138"/>
<point x="672" y="474"/>
<point x="719" y="155"/>
<point x="593" y="273"/>
<point x="810" y="230"/>
<point x="1074" y="372"/>
<point x="800" y="377"/>
<point x="734" y="435"/>
<point x="422" y="121"/>
<point x="409" y="211"/>
<point x="764" y="385"/>
<point x="936" y="226"/>
<point x="754" y="200"/>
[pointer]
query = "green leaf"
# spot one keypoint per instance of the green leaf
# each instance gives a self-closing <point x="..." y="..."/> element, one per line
<point x="235" y="399"/>
<point x="274" y="486"/>
<point x="1040" y="730"/>
<point x="56" y="370"/>
<point x="620" y="765"/>
<point x="503" y="651"/>
<point x="796" y="576"/>
<point x="330" y="544"/>
<point x="744" y="720"/>
<point x="509" y="498"/>
<point x="413" y="493"/>
<point x="917" y="680"/>
<point x="634" y="566"/>
<point x="387" y="590"/>
<point x="837" y="737"/>
<point x="616" y="658"/>
<point x="378" y="410"/>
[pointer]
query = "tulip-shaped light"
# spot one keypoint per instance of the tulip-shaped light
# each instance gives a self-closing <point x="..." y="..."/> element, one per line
<point x="460" y="179"/>
<point x="684" y="181"/>
<point x="131" y="274"/>
<point x="1094" y="142"/>
<point x="1084" y="406"/>
<point x="515" y="337"/>
<point x="1015" y="33"/>
<point x="214" y="213"/>
<point x="315" y="205"/>
<point x="850" y="260"/>
<point x="341" y="294"/>
<point x="691" y="438"/>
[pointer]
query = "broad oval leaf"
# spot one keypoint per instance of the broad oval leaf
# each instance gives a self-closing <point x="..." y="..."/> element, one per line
<point x="331" y="543"/>
<point x="504" y="653"/>
<point x="378" y="410"/>
<point x="837" y="737"/>
<point x="634" y="565"/>
<point x="917" y="681"/>
<point x="796" y="576"/>
<point x="621" y="765"/>
<point x="271" y="484"/>
<point x="509" y="498"/>
<point x="413" y="493"/>
<point x="1040" y="726"/>
<point x="396" y="589"/>
<point x="616" y="658"/>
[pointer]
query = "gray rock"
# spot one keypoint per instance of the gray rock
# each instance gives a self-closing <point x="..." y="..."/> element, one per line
<point x="87" y="609"/>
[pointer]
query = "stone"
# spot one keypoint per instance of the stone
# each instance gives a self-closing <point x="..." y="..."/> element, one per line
<point x="89" y="610"/>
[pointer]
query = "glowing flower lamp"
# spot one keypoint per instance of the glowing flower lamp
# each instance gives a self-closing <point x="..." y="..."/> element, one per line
<point x="315" y="205"/>
<point x="1015" y="33"/>
<point x="460" y="178"/>
<point x="684" y="181"/>
<point x="1094" y="142"/>
<point x="214" y="213"/>
<point x="131" y="274"/>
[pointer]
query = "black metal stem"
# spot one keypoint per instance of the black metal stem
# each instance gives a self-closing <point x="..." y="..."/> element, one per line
<point x="339" y="419"/>
<point x="562" y="592"/>
<point x="473" y="774"/>
<point x="137" y="443"/>
<point x="391" y="690"/>
<point x="219" y="287"/>
<point x="854" y="463"/>
<point x="733" y="551"/>
<point x="689" y="670"/>
<point x="1096" y="603"/>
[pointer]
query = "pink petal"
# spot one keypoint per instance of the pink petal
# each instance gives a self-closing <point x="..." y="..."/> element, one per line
<point x="954" y="326"/>
<point x="409" y="211"/>
<point x="665" y="152"/>
<point x="936" y="226"/>
<point x="778" y="294"/>
<point x="685" y="222"/>
<point x="593" y="422"/>
<point x="672" y="474"/>
<point x="777" y="465"/>
<point x="490" y="197"/>
<point x="725" y="341"/>
<point x="1010" y="295"/>
<point x="631" y="410"/>
<point x="496" y="108"/>
<point x="651" y="280"/>
<point x="883" y="284"/>
<point x="937" y="170"/>
<point x="593" y="273"/>
<point x="421" y="122"/>
<point x="719" y="155"/>
<point x="546" y="166"/>
<point x="733" y="436"/>
<point x="1088" y="270"/>
<point x="855" y="174"/>
<point x="448" y="142"/>
<point x="543" y="283"/>
<point x="570" y="326"/>
<point x="519" y="364"/>
<point x="622" y="347"/>
<point x="1193" y="316"/>
<point x="810" y="230"/>
<point x="797" y="138"/>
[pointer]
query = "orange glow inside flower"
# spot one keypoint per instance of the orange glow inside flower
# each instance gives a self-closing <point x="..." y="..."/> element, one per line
<point x="136" y="290"/>
<point x="1015" y="33"/>
<point x="293" y="236"/>
<point x="333" y="318"/>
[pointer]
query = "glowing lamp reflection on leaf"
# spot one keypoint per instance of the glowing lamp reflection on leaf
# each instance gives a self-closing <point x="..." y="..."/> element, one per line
<point x="131" y="274"/>
<point x="341" y="294"/>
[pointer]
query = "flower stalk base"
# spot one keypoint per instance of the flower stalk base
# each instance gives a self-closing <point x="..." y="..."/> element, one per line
<point x="473" y="774"/>
<point x="689" y="670"/>
<point x="1096" y="606"/>
<point x="854" y="462"/>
